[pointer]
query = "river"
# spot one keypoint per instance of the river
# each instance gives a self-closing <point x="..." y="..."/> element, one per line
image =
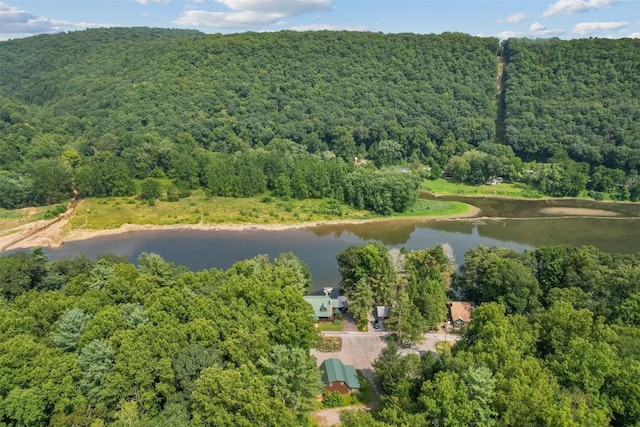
<point x="318" y="246"/>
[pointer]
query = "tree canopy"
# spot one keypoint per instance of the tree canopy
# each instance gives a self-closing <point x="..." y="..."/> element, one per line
<point x="548" y="345"/>
<point x="156" y="344"/>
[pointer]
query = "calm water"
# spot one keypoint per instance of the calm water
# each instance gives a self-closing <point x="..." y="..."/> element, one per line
<point x="516" y="224"/>
<point x="318" y="246"/>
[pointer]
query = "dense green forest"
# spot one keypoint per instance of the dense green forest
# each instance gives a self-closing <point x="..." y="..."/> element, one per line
<point x="553" y="340"/>
<point x="86" y="343"/>
<point x="95" y="110"/>
<point x="574" y="105"/>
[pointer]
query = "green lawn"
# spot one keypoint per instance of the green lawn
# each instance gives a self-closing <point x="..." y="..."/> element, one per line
<point x="443" y="186"/>
<point x="334" y="326"/>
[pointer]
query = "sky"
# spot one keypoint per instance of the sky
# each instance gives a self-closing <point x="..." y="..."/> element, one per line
<point x="566" y="19"/>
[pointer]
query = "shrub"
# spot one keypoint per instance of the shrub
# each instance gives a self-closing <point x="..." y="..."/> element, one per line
<point x="54" y="211"/>
<point x="333" y="399"/>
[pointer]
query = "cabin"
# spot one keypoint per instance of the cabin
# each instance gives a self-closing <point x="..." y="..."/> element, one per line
<point x="460" y="313"/>
<point x="339" y="377"/>
<point x="324" y="307"/>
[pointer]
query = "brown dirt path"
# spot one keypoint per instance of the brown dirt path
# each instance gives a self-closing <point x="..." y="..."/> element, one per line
<point x="45" y="232"/>
<point x="331" y="416"/>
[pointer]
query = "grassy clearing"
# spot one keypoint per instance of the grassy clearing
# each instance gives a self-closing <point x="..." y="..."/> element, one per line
<point x="108" y="213"/>
<point x="334" y="326"/>
<point x="113" y="212"/>
<point x="16" y="217"/>
<point x="424" y="208"/>
<point x="506" y="189"/>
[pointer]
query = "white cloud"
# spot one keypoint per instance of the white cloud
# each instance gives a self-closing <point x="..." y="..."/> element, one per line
<point x="283" y="7"/>
<point x="570" y="7"/>
<point x="321" y="27"/>
<point x="584" y="29"/>
<point x="153" y="1"/>
<point x="539" y="30"/>
<point x="250" y="13"/>
<point x="245" y="19"/>
<point x="510" y="35"/>
<point x="516" y="18"/>
<point x="536" y="26"/>
<point x="18" y="21"/>
<point x="634" y="36"/>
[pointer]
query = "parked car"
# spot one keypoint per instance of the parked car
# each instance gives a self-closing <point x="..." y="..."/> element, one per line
<point x="376" y="324"/>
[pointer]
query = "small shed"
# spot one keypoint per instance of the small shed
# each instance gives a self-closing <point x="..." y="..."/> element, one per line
<point x="460" y="313"/>
<point x="339" y="377"/>
<point x="383" y="312"/>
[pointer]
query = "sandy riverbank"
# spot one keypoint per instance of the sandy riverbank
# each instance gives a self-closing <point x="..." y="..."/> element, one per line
<point x="51" y="233"/>
<point x="577" y="212"/>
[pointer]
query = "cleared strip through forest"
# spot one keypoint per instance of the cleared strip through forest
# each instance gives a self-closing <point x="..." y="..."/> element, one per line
<point x="501" y="113"/>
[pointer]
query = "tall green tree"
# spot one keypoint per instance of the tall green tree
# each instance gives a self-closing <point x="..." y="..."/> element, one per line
<point x="69" y="328"/>
<point x="293" y="378"/>
<point x="236" y="397"/>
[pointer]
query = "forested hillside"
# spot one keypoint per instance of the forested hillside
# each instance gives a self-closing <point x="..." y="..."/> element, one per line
<point x="575" y="103"/>
<point x="96" y="109"/>
<point x="106" y="106"/>
<point x="577" y="96"/>
<point x="236" y="91"/>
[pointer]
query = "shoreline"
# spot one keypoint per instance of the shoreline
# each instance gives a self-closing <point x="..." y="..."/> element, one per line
<point x="52" y="234"/>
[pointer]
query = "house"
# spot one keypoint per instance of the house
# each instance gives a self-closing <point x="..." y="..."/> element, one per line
<point x="460" y="313"/>
<point x="324" y="307"/>
<point x="339" y="377"/>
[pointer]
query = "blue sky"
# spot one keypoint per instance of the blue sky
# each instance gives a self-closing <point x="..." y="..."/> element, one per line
<point x="501" y="18"/>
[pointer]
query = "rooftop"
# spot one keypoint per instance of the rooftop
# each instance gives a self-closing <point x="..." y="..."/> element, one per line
<point x="334" y="370"/>
<point x="322" y="306"/>
<point x="460" y="310"/>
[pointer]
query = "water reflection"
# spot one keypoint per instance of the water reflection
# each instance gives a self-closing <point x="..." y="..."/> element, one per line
<point x="391" y="233"/>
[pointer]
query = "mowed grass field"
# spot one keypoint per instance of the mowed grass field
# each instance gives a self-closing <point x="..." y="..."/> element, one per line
<point x="443" y="186"/>
<point x="108" y="213"/>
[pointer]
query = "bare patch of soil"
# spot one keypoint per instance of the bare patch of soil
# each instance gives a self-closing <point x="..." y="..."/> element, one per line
<point x="46" y="232"/>
<point x="331" y="416"/>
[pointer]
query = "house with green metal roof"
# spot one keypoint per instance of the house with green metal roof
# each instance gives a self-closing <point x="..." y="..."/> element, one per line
<point x="339" y="377"/>
<point x="324" y="307"/>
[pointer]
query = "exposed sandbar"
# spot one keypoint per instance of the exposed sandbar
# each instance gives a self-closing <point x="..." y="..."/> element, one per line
<point x="577" y="212"/>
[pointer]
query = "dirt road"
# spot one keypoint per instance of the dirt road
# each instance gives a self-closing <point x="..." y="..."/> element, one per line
<point x="45" y="232"/>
